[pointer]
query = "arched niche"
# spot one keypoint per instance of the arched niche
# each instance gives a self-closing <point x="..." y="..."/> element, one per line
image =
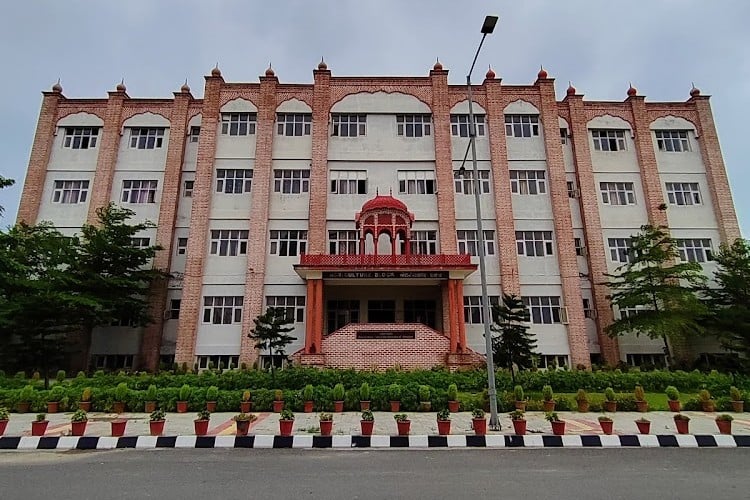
<point x="146" y="119"/>
<point x="608" y="121"/>
<point x="293" y="106"/>
<point x="81" y="120"/>
<point x="381" y="102"/>
<point x="671" y="123"/>
<point x="239" y="105"/>
<point x="462" y="108"/>
<point x="520" y="107"/>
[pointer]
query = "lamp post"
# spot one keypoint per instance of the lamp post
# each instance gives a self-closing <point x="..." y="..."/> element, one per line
<point x="487" y="27"/>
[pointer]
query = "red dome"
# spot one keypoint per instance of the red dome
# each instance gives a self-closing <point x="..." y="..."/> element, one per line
<point x="542" y="73"/>
<point x="381" y="202"/>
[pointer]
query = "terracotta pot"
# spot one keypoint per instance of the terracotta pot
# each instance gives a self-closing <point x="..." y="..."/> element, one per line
<point x="641" y="406"/>
<point x="682" y="426"/>
<point x="23" y="407"/>
<point x="278" y="406"/>
<point x="285" y="427"/>
<point x="366" y="427"/>
<point x="738" y="406"/>
<point x="52" y="406"/>
<point x="583" y="407"/>
<point x="725" y="426"/>
<point x="39" y="428"/>
<point x="242" y="427"/>
<point x="245" y="406"/>
<point x="403" y="427"/>
<point x="156" y="427"/>
<point x="78" y="428"/>
<point x="425" y="405"/>
<point x="201" y="427"/>
<point x="149" y="406"/>
<point x="118" y="407"/>
<point x="453" y="406"/>
<point x="338" y="406"/>
<point x="558" y="428"/>
<point x="643" y="427"/>
<point x="519" y="427"/>
<point x="326" y="427"/>
<point x="610" y="406"/>
<point x="364" y="405"/>
<point x="520" y="405"/>
<point x="548" y="406"/>
<point x="479" y="425"/>
<point x="308" y="406"/>
<point x="444" y="427"/>
<point x="3" y="425"/>
<point x="395" y="406"/>
<point x="118" y="427"/>
<point x="708" y="406"/>
<point x="606" y="427"/>
<point x="85" y="406"/>
<point x="182" y="406"/>
<point x="211" y="406"/>
<point x="674" y="406"/>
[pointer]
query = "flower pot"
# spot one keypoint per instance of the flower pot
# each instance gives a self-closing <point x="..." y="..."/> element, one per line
<point x="211" y="406"/>
<point x="403" y="427"/>
<point x="519" y="427"/>
<point x="182" y="406"/>
<point x="39" y="428"/>
<point x="738" y="406"/>
<point x="548" y="406"/>
<point x="308" y="406"/>
<point x="278" y="406"/>
<point x="118" y="427"/>
<point x="395" y="406"/>
<point x="708" y="406"/>
<point x="245" y="406"/>
<point x="520" y="405"/>
<point x="326" y="426"/>
<point x="3" y="425"/>
<point x="643" y="427"/>
<point x="444" y="427"/>
<point x="156" y="427"/>
<point x="52" y="406"/>
<point x="725" y="426"/>
<point x="682" y="426"/>
<point x="606" y="427"/>
<point x="479" y="425"/>
<point x="242" y="427"/>
<point x="583" y="407"/>
<point x="425" y="405"/>
<point x="453" y="406"/>
<point x="366" y="427"/>
<point x="23" y="407"/>
<point x="118" y="407"/>
<point x="558" y="428"/>
<point x="364" y="405"/>
<point x="338" y="406"/>
<point x="610" y="406"/>
<point x="85" y="406"/>
<point x="641" y="406"/>
<point x="149" y="406"/>
<point x="285" y="427"/>
<point x="674" y="406"/>
<point x="201" y="427"/>
<point x="78" y="428"/>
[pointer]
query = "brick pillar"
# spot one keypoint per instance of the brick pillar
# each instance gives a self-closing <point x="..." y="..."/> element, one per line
<point x="190" y="307"/>
<point x="318" y="315"/>
<point x="716" y="174"/>
<point x="506" y="231"/>
<point x="644" y="147"/>
<point x="309" y="324"/>
<point x="597" y="259"/>
<point x="448" y="313"/>
<point x="44" y="138"/>
<point x="453" y="313"/>
<point x="151" y="341"/>
<point x="257" y="246"/>
<point x="101" y="191"/>
<point x="459" y="310"/>
<point x="316" y="234"/>
<point x="443" y="161"/>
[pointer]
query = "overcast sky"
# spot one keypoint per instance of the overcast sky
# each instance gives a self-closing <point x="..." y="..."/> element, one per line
<point x="660" y="45"/>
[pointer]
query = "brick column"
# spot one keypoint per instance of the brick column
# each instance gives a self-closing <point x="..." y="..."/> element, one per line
<point x="44" y="138"/>
<point x="566" y="253"/>
<point x="460" y="316"/>
<point x="310" y="309"/>
<point x="257" y="246"/>
<point x="318" y="315"/>
<point x="447" y="310"/>
<point x="190" y="307"/>
<point x="453" y="315"/>
<point x="506" y="231"/>
<point x="597" y="259"/>
<point x="316" y="234"/>
<point x="716" y="174"/>
<point x="151" y="342"/>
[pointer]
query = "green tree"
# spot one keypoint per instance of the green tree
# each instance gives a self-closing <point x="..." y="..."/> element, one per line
<point x="661" y="287"/>
<point x="270" y="334"/>
<point x="512" y="343"/>
<point x="5" y="182"/>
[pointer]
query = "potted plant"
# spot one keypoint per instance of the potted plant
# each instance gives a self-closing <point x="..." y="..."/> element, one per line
<point x="737" y="398"/>
<point x="364" y="396"/>
<point x="242" y="420"/>
<point x="25" y="397"/>
<point x="308" y="393"/>
<point x="183" y="397"/>
<point x="640" y="399"/>
<point x="54" y="397"/>
<point x="39" y="426"/>
<point x="520" y="401"/>
<point x="723" y="422"/>
<point x="245" y="403"/>
<point x="286" y="422"/>
<point x="610" y="400"/>
<point x="121" y="394"/>
<point x="707" y="402"/>
<point x="118" y="427"/>
<point x="4" y="417"/>
<point x="682" y="422"/>
<point x="394" y="397"/>
<point x="201" y="423"/>
<point x="278" y="400"/>
<point x="150" y="404"/>
<point x="212" y="395"/>
<point x="673" y="398"/>
<point x="424" y="397"/>
<point x="402" y="423"/>
<point x="326" y="423"/>
<point x="78" y="422"/>
<point x="367" y="422"/>
<point x="452" y="394"/>
<point x="606" y="424"/>
<point x="583" y="401"/>
<point x="644" y="425"/>
<point x="548" y="398"/>
<point x="156" y="422"/>
<point x="85" y="402"/>
<point x="519" y="422"/>
<point x="444" y="422"/>
<point x="558" y="426"/>
<point x="478" y="422"/>
<point x="338" y="398"/>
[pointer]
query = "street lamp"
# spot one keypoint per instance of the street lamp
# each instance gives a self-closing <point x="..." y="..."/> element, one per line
<point x="487" y="27"/>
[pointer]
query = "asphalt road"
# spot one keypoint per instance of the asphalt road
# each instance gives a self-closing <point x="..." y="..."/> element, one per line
<point x="408" y="474"/>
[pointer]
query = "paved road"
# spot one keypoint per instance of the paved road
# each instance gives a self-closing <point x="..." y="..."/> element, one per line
<point x="407" y="474"/>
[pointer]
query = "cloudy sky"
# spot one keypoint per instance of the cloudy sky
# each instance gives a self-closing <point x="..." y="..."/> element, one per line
<point x="660" y="45"/>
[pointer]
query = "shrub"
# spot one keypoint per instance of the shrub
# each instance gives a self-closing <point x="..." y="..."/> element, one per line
<point x="26" y="395"/>
<point x="212" y="393"/>
<point x="604" y="418"/>
<point x="367" y="416"/>
<point x="609" y="394"/>
<point x="704" y="395"/>
<point x="245" y="396"/>
<point x="61" y="376"/>
<point x="517" y="415"/>
<point x="672" y="393"/>
<point x="400" y="417"/>
<point x="552" y="417"/>
<point x="581" y="396"/>
<point x="286" y="414"/>
<point x="157" y="415"/>
<point x="151" y="393"/>
<point x="518" y="393"/>
<point x="424" y="393"/>
<point x="41" y="417"/>
<point x="394" y="392"/>
<point x="56" y="394"/>
<point x="79" y="416"/>
<point x="477" y="413"/>
<point x="80" y="375"/>
<point x="185" y="392"/>
<point x="121" y="392"/>
<point x="338" y="392"/>
<point x="246" y="417"/>
<point x="639" y="394"/>
<point x="680" y="416"/>
<point x="4" y="414"/>
<point x="278" y="395"/>
<point x="735" y="394"/>
<point x="308" y="393"/>
<point x="724" y="417"/>
<point x="325" y="417"/>
<point x="364" y="392"/>
<point x="444" y="414"/>
<point x="547" y="393"/>
<point x="452" y="392"/>
<point x="204" y="415"/>
<point x="35" y="376"/>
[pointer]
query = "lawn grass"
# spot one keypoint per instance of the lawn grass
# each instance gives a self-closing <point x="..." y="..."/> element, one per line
<point x="656" y="401"/>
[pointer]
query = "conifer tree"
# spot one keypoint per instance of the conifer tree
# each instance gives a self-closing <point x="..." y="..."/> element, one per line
<point x="270" y="334"/>
<point x="513" y="344"/>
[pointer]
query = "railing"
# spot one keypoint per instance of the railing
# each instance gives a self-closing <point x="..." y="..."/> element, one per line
<point x="338" y="261"/>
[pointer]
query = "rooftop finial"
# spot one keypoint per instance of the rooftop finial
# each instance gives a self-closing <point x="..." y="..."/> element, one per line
<point x="216" y="71"/>
<point x="632" y="91"/>
<point x="694" y="91"/>
<point x="57" y="87"/>
<point x="121" y="86"/>
<point x="437" y="66"/>
<point x="322" y="66"/>
<point x="542" y="73"/>
<point x="269" y="71"/>
<point x="185" y="87"/>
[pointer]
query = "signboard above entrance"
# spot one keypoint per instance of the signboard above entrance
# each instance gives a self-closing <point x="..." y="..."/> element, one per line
<point x="358" y="275"/>
<point x="386" y="335"/>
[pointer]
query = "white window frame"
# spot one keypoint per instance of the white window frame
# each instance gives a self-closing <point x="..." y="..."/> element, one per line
<point x="238" y="124"/>
<point x="348" y="182"/>
<point x="293" y="124"/>
<point x="112" y="361"/>
<point x="620" y="250"/>
<point x="544" y="309"/>
<point x="473" y="311"/>
<point x="228" y="242"/>
<point x="423" y="242"/>
<point x="684" y="193"/>
<point x="343" y="242"/>
<point x="348" y="125"/>
<point x="140" y="242"/>
<point x="528" y="182"/>
<point x="70" y="192"/>
<point x="563" y="135"/>
<point x="553" y="361"/>
<point x="695" y="249"/>
<point x="291" y="180"/>
<point x="416" y="182"/>
<point x="187" y="188"/>
<point x="534" y="243"/>
<point x="648" y="358"/>
<point x="617" y="194"/>
<point x="522" y="126"/>
<point x="222" y="310"/>
<point x="287" y="242"/>
<point x="609" y="140"/>
<point x="139" y="191"/>
<point x="195" y="133"/>
<point x="460" y="125"/>
<point x="464" y="182"/>
<point x="174" y="308"/>
<point x="580" y="247"/>
<point x="293" y="305"/>
<point x="234" y="180"/>
<point x="227" y="361"/>
<point x="468" y="241"/>
<point x="146" y="137"/>
<point x="413" y="125"/>
<point x="80" y="137"/>
<point x="588" y="309"/>
<point x="182" y="244"/>
<point x="672" y="141"/>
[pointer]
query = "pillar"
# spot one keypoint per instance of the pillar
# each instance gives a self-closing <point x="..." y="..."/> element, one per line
<point x="459" y="307"/>
<point x="453" y="326"/>
<point x="316" y="234"/>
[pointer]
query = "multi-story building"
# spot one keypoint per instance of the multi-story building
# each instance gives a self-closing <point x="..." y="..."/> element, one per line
<point x="342" y="202"/>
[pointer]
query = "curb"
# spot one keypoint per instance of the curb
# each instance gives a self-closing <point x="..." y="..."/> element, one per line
<point x="349" y="442"/>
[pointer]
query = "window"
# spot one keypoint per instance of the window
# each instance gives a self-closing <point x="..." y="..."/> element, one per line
<point x="182" y="246"/>
<point x="460" y="125"/>
<point x="694" y="249"/>
<point x="124" y="320"/>
<point x="413" y="125"/>
<point x="187" y="189"/>
<point x="293" y="306"/>
<point x="543" y="310"/>
<point x="234" y="181"/>
<point x="348" y="125"/>
<point x="218" y="361"/>
<point x="464" y="182"/>
<point x="609" y="140"/>
<point x="288" y="243"/>
<point x="534" y="243"/>
<point x="139" y="191"/>
<point x="629" y="312"/>
<point x="174" y="309"/>
<point x="222" y="310"/>
<point x="655" y="359"/>
<point x="80" y="137"/>
<point x="473" y="308"/>
<point x="146" y="138"/>
<point x="420" y="311"/>
<point x="572" y="191"/>
<point x="341" y="313"/>
<point x="343" y="242"/>
<point x="588" y="312"/>
<point x="112" y="361"/>
<point x="349" y="181"/>
<point x="619" y="250"/>
<point x="617" y="193"/>
<point x="195" y="133"/>
<point x="293" y="124"/>
<point x="416" y="182"/>
<point x="468" y="243"/>
<point x="423" y="242"/>
<point x="527" y="182"/>
<point x="553" y="361"/>
<point x="291" y="181"/>
<point x="70" y="192"/>
<point x="521" y="125"/>
<point x="673" y="141"/>
<point x="563" y="135"/>
<point x="236" y="124"/>
<point x="683" y="193"/>
<point x="267" y="361"/>
<point x="140" y="242"/>
<point x="580" y="247"/>
<point x="228" y="242"/>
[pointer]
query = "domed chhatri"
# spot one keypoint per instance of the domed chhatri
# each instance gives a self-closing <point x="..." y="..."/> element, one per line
<point x="490" y="74"/>
<point x="438" y="66"/>
<point x="269" y="71"/>
<point x="632" y="91"/>
<point x="571" y="89"/>
<point x="542" y="73"/>
<point x="694" y="91"/>
<point x="57" y="88"/>
<point x="216" y="71"/>
<point x="322" y="66"/>
<point x="121" y="86"/>
<point x="384" y="202"/>
<point x="185" y="87"/>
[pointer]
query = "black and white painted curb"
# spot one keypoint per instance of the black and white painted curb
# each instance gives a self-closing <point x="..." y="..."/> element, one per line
<point x="310" y="441"/>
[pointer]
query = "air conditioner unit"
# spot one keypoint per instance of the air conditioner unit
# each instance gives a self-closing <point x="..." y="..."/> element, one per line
<point x="564" y="315"/>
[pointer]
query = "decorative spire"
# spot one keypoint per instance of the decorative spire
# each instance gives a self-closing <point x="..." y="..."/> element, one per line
<point x="322" y="66"/>
<point x="57" y="88"/>
<point x="185" y="87"/>
<point x="571" y="89"/>
<point x="216" y="71"/>
<point x="269" y="71"/>
<point x="694" y="91"/>
<point x="437" y="66"/>
<point x="490" y="74"/>
<point x="632" y="91"/>
<point x="542" y="73"/>
<point x="121" y="86"/>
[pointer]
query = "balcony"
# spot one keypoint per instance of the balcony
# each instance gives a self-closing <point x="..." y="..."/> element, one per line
<point x="384" y="262"/>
